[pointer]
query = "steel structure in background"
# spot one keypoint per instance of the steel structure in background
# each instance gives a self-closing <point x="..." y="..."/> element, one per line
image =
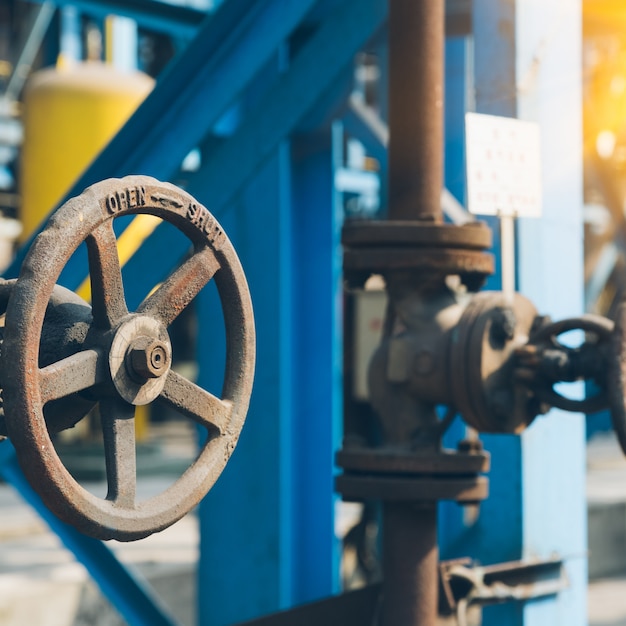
<point x="276" y="497"/>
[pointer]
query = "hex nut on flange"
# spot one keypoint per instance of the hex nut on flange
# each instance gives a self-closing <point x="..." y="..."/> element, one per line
<point x="147" y="357"/>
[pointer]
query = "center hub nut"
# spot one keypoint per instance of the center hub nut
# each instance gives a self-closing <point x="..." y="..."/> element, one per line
<point x="140" y="358"/>
<point x="147" y="358"/>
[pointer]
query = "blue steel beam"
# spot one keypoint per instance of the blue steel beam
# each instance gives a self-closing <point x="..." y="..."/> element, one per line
<point x="317" y="368"/>
<point x="311" y="74"/>
<point x="457" y="100"/>
<point x="286" y="550"/>
<point x="130" y="596"/>
<point x="229" y="50"/>
<point x="275" y="500"/>
<point x="246" y="549"/>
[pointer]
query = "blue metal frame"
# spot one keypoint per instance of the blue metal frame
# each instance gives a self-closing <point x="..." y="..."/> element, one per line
<point x="285" y="228"/>
<point x="313" y="73"/>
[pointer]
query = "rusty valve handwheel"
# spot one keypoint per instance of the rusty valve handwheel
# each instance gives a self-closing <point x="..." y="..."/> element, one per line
<point x="126" y="358"/>
<point x="546" y="338"/>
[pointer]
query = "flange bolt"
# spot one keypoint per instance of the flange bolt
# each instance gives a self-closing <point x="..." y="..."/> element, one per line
<point x="148" y="358"/>
<point x="503" y="324"/>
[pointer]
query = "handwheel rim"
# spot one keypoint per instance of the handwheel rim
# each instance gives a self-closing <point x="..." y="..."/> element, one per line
<point x="72" y="224"/>
<point x="616" y="377"/>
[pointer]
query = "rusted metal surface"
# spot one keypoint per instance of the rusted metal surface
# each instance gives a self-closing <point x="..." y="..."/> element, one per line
<point x="426" y="260"/>
<point x="416" y="83"/>
<point x="463" y="583"/>
<point x="410" y="560"/>
<point x="123" y="358"/>
<point x="408" y="376"/>
<point x="373" y="233"/>
<point x="65" y="327"/>
<point x="403" y="488"/>
<point x="418" y="462"/>
<point x="545" y="361"/>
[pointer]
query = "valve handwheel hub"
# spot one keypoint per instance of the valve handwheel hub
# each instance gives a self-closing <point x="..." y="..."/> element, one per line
<point x="125" y="361"/>
<point x="139" y="359"/>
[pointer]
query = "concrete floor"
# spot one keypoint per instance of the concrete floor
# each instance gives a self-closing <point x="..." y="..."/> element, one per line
<point x="606" y="500"/>
<point x="607" y="602"/>
<point x="42" y="585"/>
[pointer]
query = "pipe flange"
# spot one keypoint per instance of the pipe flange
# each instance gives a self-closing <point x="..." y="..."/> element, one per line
<point x="482" y="362"/>
<point x="376" y="247"/>
<point x="441" y="260"/>
<point x="403" y="233"/>
<point x="400" y="488"/>
<point x="382" y="461"/>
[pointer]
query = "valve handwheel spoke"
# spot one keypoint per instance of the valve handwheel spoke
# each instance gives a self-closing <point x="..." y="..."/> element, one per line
<point x="75" y="373"/>
<point x="107" y="288"/>
<point x="175" y="294"/>
<point x="125" y="359"/>
<point x="196" y="403"/>
<point x="118" y="430"/>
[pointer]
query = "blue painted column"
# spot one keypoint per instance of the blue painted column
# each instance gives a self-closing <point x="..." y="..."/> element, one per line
<point x="458" y="50"/>
<point x="246" y="548"/>
<point x="527" y="65"/>
<point x="317" y="365"/>
<point x="267" y="527"/>
<point x="549" y="78"/>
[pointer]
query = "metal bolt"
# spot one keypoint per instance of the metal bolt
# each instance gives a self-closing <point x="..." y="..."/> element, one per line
<point x="470" y="446"/>
<point x="148" y="358"/>
<point x="503" y="324"/>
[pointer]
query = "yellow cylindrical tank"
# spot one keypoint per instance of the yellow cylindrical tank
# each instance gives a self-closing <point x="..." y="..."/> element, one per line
<point x="69" y="116"/>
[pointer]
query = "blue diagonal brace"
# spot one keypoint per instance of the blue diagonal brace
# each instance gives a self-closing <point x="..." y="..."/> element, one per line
<point x="314" y="72"/>
<point x="229" y="50"/>
<point x="311" y="74"/>
<point x="131" y="597"/>
<point x="227" y="53"/>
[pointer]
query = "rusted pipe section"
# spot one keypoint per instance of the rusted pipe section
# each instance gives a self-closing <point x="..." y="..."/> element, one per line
<point x="410" y="562"/>
<point x="416" y="54"/>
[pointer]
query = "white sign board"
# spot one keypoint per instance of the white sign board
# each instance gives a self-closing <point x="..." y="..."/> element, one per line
<point x="503" y="158"/>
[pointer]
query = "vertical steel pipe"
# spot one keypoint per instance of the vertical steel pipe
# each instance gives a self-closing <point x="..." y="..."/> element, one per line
<point x="410" y="561"/>
<point x="416" y="75"/>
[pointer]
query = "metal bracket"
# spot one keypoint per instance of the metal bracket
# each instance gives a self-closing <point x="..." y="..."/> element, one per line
<point x="462" y="583"/>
